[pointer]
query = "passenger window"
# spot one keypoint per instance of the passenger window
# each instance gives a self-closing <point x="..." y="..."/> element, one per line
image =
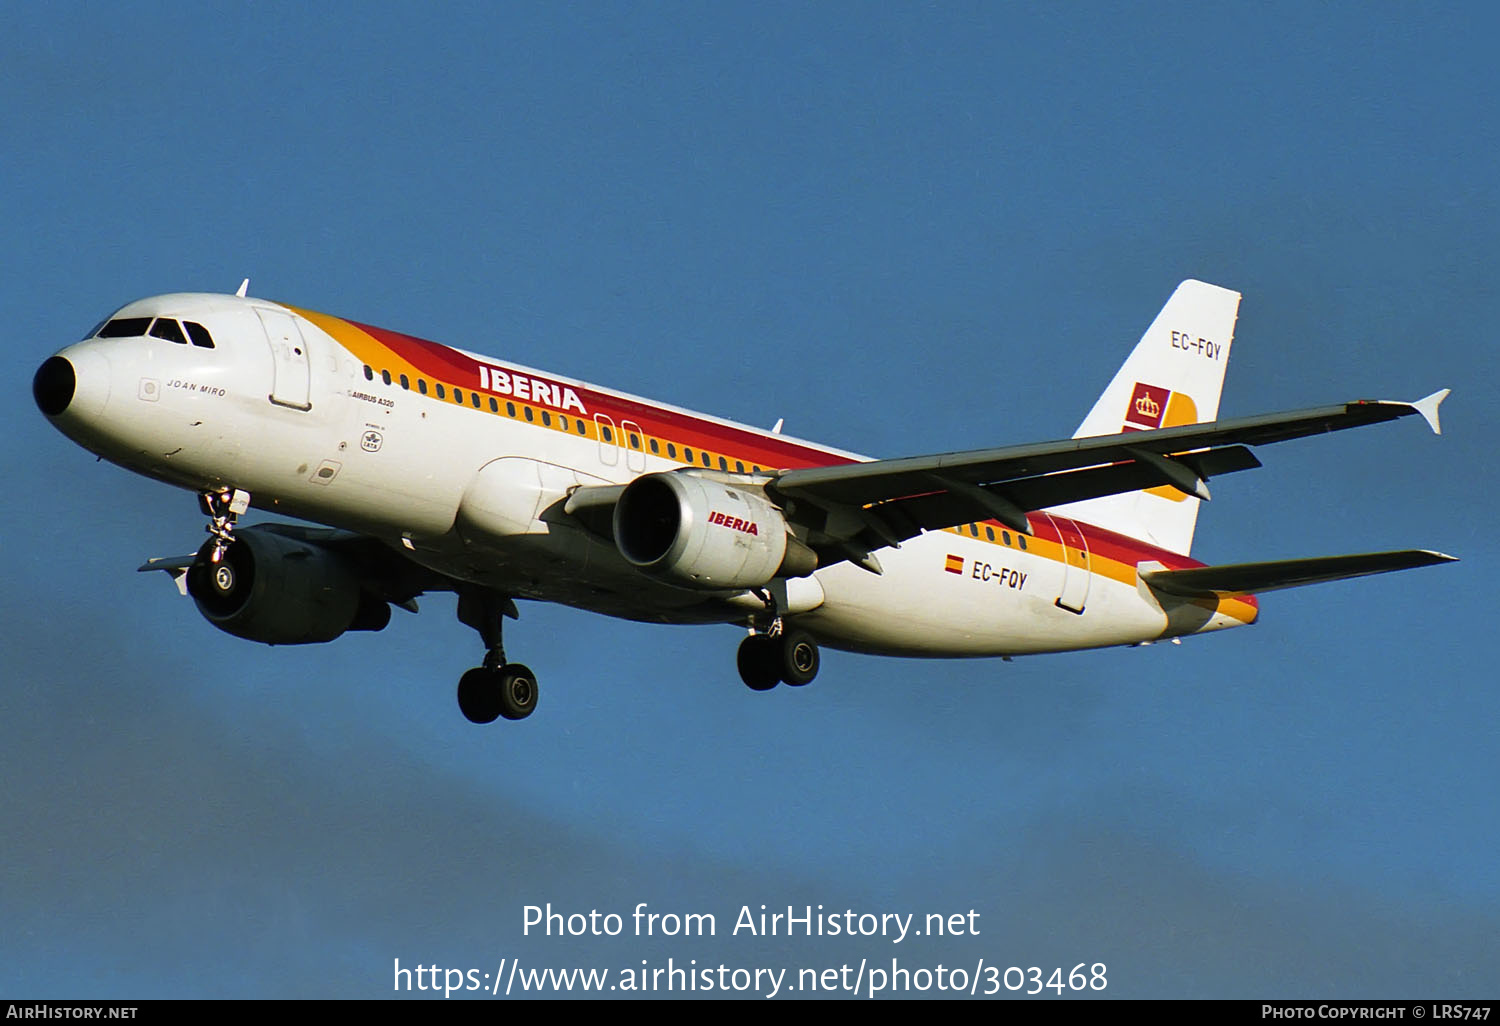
<point x="406" y="382"/>
<point x="125" y="327"/>
<point x="385" y="376"/>
<point x="529" y="415"/>
<point x="369" y="373"/>
<point x="439" y="391"/>
<point x="474" y="399"/>
<point x="723" y="463"/>
<point x="1022" y="539"/>
<point x="989" y="532"/>
<point x="510" y="409"/>
<point x="199" y="334"/>
<point x="1005" y="537"/>
<point x="688" y="453"/>
<point x="672" y="450"/>
<point x="635" y="441"/>
<point x="422" y="385"/>
<point x="167" y="329"/>
<point x="494" y="406"/>
<point x="562" y="422"/>
<point x="458" y="395"/>
<point x="606" y="433"/>
<point x="655" y="448"/>
<point x="705" y="458"/>
<point x="546" y="419"/>
<point x="739" y="468"/>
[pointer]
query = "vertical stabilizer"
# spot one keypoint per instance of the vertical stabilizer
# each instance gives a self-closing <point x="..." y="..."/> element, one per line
<point x="1174" y="376"/>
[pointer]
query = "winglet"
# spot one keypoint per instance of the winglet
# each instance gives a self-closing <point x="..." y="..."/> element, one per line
<point x="1428" y="408"/>
<point x="244" y="288"/>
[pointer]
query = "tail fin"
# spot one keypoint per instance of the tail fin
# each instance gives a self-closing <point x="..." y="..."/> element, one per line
<point x="1174" y="376"/>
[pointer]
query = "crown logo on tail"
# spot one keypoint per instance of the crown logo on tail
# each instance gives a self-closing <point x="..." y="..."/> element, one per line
<point x="1147" y="405"/>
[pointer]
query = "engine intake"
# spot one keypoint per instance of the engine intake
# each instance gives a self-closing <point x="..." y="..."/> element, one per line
<point x="281" y="591"/>
<point x="703" y="533"/>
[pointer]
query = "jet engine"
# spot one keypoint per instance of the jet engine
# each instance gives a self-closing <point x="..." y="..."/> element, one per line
<point x="279" y="590"/>
<point x="702" y="533"/>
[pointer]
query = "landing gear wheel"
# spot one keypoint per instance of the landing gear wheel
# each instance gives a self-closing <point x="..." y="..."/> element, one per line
<point x="797" y="656"/>
<point x="225" y="586"/>
<point x="517" y="691"/>
<point x="757" y="659"/>
<point x="478" y="695"/>
<point x="485" y="695"/>
<point x="497" y="688"/>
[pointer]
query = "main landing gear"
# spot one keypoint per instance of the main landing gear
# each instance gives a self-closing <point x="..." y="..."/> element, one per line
<point x="777" y="655"/>
<point x="497" y="688"/>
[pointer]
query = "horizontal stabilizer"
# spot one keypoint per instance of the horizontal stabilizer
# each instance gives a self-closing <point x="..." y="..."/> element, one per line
<point x="1251" y="578"/>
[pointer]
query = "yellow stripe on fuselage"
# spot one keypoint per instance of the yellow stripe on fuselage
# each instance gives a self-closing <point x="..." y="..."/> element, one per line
<point x="380" y="357"/>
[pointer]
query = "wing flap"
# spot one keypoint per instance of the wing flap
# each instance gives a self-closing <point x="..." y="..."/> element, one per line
<point x="959" y="505"/>
<point x="861" y="484"/>
<point x="1237" y="579"/>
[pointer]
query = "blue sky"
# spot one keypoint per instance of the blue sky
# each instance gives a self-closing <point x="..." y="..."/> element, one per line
<point x="903" y="228"/>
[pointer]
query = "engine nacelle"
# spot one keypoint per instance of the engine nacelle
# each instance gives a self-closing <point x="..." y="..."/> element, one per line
<point x="281" y="591"/>
<point x="703" y="533"/>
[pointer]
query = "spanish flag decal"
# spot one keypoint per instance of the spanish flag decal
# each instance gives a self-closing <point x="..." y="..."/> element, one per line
<point x="954" y="564"/>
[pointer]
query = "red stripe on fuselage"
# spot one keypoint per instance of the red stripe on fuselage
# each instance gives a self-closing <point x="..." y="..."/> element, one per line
<point x="443" y="363"/>
<point x="452" y="367"/>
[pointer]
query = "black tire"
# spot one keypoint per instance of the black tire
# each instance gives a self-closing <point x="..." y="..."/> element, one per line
<point x="224" y="587"/>
<point x="797" y="656"/>
<point x="479" y="695"/>
<point x="517" y="691"/>
<point x="757" y="663"/>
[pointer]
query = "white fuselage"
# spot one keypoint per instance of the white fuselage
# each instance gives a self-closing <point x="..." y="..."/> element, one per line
<point x="295" y="408"/>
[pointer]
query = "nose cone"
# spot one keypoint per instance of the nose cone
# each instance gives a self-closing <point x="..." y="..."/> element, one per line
<point x="72" y="389"/>
<point x="54" y="385"/>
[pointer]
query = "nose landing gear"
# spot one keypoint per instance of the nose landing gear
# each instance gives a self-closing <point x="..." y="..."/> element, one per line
<point x="223" y="508"/>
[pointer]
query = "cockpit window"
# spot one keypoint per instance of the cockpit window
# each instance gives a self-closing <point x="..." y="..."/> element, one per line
<point x="125" y="327"/>
<point x="199" y="334"/>
<point x="166" y="328"/>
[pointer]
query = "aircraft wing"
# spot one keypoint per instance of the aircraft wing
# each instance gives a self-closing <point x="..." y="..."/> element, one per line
<point x="1250" y="578"/>
<point x="882" y="502"/>
<point x="384" y="572"/>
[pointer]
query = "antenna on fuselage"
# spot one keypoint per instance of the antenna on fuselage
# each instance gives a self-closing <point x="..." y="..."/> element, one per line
<point x="244" y="288"/>
<point x="777" y="429"/>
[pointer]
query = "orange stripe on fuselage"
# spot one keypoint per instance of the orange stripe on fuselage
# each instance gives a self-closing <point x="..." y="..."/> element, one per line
<point x="1110" y="555"/>
<point x="419" y="358"/>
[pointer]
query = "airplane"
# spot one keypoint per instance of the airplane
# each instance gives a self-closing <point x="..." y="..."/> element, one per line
<point x="438" y="469"/>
